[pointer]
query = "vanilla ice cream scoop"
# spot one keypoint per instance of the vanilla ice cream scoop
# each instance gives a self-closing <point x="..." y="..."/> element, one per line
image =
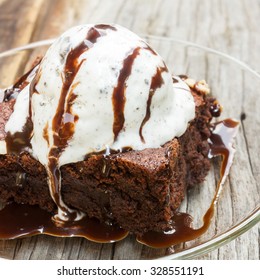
<point x="99" y="87"/>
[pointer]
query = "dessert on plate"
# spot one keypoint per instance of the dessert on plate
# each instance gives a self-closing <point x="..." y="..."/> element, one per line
<point x="100" y="129"/>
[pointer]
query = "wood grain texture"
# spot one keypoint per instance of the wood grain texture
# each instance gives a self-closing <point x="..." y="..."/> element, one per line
<point x="231" y="26"/>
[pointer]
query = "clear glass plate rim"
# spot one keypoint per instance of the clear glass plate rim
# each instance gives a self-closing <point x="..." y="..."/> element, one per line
<point x="219" y="240"/>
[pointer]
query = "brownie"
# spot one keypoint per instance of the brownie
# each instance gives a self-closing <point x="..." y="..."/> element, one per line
<point x="138" y="190"/>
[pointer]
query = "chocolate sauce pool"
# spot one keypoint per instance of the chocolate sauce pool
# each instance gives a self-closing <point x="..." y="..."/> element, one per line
<point x="26" y="220"/>
<point x="19" y="220"/>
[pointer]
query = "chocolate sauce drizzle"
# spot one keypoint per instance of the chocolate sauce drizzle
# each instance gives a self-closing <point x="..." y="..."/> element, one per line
<point x="20" y="84"/>
<point x="156" y="82"/>
<point x="105" y="26"/>
<point x="118" y="97"/>
<point x="215" y="109"/>
<point x="26" y="220"/>
<point x="19" y="141"/>
<point x="174" y="80"/>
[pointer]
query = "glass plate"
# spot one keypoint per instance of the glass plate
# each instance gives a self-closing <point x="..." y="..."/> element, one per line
<point x="236" y="86"/>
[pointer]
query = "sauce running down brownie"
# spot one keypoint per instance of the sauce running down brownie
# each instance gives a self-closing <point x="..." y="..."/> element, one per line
<point x="99" y="129"/>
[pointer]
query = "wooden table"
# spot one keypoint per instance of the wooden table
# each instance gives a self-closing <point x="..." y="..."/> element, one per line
<point x="231" y="26"/>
